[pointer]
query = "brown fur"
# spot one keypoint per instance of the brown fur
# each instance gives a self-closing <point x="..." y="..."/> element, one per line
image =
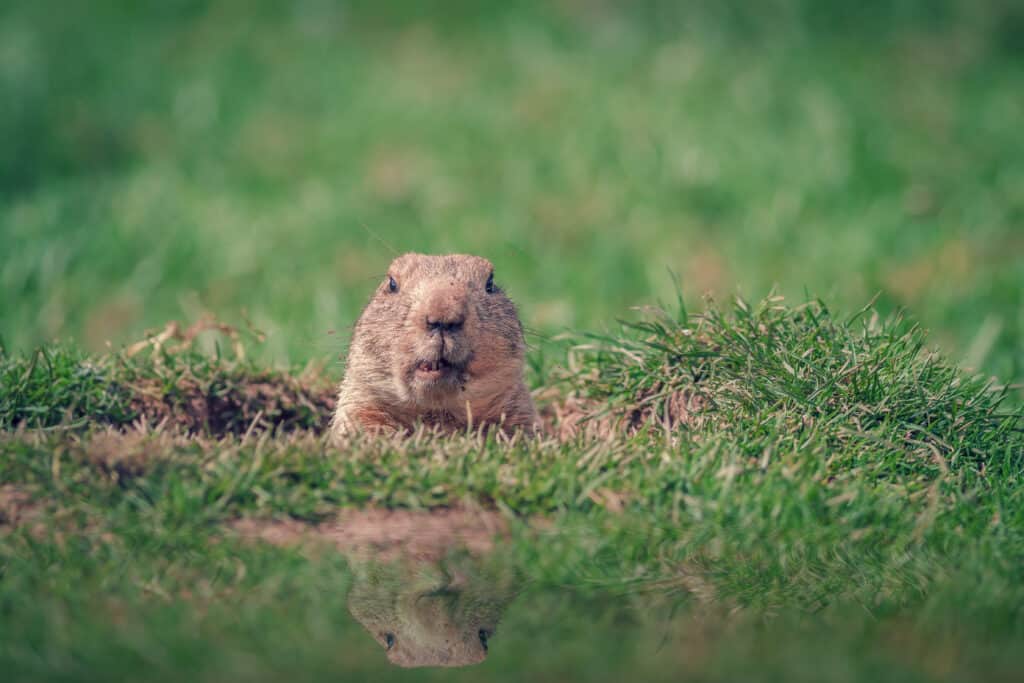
<point x="441" y="311"/>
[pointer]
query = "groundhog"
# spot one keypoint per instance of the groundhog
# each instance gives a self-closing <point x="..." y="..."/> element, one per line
<point x="440" y="344"/>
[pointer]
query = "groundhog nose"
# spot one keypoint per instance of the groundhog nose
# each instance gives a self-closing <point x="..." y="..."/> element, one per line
<point x="445" y="323"/>
<point x="444" y="309"/>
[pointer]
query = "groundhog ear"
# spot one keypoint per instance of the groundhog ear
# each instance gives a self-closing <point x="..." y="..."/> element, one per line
<point x="489" y="287"/>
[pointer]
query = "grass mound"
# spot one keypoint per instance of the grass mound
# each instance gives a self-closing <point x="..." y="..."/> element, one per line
<point x="769" y="376"/>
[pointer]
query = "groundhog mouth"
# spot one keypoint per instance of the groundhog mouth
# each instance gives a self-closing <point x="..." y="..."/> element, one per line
<point x="435" y="369"/>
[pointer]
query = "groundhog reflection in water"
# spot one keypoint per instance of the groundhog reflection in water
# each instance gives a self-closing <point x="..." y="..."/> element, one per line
<point x="427" y="614"/>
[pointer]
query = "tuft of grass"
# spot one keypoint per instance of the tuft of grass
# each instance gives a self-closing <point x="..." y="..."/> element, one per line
<point x="59" y="385"/>
<point x="777" y="379"/>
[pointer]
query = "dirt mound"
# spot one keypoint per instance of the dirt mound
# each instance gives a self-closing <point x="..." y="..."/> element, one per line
<point x="234" y="404"/>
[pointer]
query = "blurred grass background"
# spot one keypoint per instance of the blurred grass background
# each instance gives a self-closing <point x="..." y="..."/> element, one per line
<point x="263" y="159"/>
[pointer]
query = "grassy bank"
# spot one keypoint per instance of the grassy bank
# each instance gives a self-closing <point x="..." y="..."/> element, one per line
<point x="836" y="489"/>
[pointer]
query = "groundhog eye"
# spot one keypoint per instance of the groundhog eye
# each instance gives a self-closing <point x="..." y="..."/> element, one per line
<point x="392" y="285"/>
<point x="489" y="287"/>
<point x="389" y="638"/>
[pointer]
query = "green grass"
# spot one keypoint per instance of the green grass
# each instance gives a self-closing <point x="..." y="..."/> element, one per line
<point x="251" y="159"/>
<point x="777" y="491"/>
<point x="840" y="487"/>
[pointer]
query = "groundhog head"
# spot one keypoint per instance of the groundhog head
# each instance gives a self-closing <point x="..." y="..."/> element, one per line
<point x="438" y="340"/>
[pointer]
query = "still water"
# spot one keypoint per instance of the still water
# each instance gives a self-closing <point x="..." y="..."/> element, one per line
<point x="391" y="596"/>
<point x="431" y="598"/>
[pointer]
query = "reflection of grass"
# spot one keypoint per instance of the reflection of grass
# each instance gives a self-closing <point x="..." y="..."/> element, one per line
<point x="226" y="157"/>
<point x="838" y="483"/>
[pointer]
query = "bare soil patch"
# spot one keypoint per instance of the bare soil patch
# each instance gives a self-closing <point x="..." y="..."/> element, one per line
<point x="387" y="534"/>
